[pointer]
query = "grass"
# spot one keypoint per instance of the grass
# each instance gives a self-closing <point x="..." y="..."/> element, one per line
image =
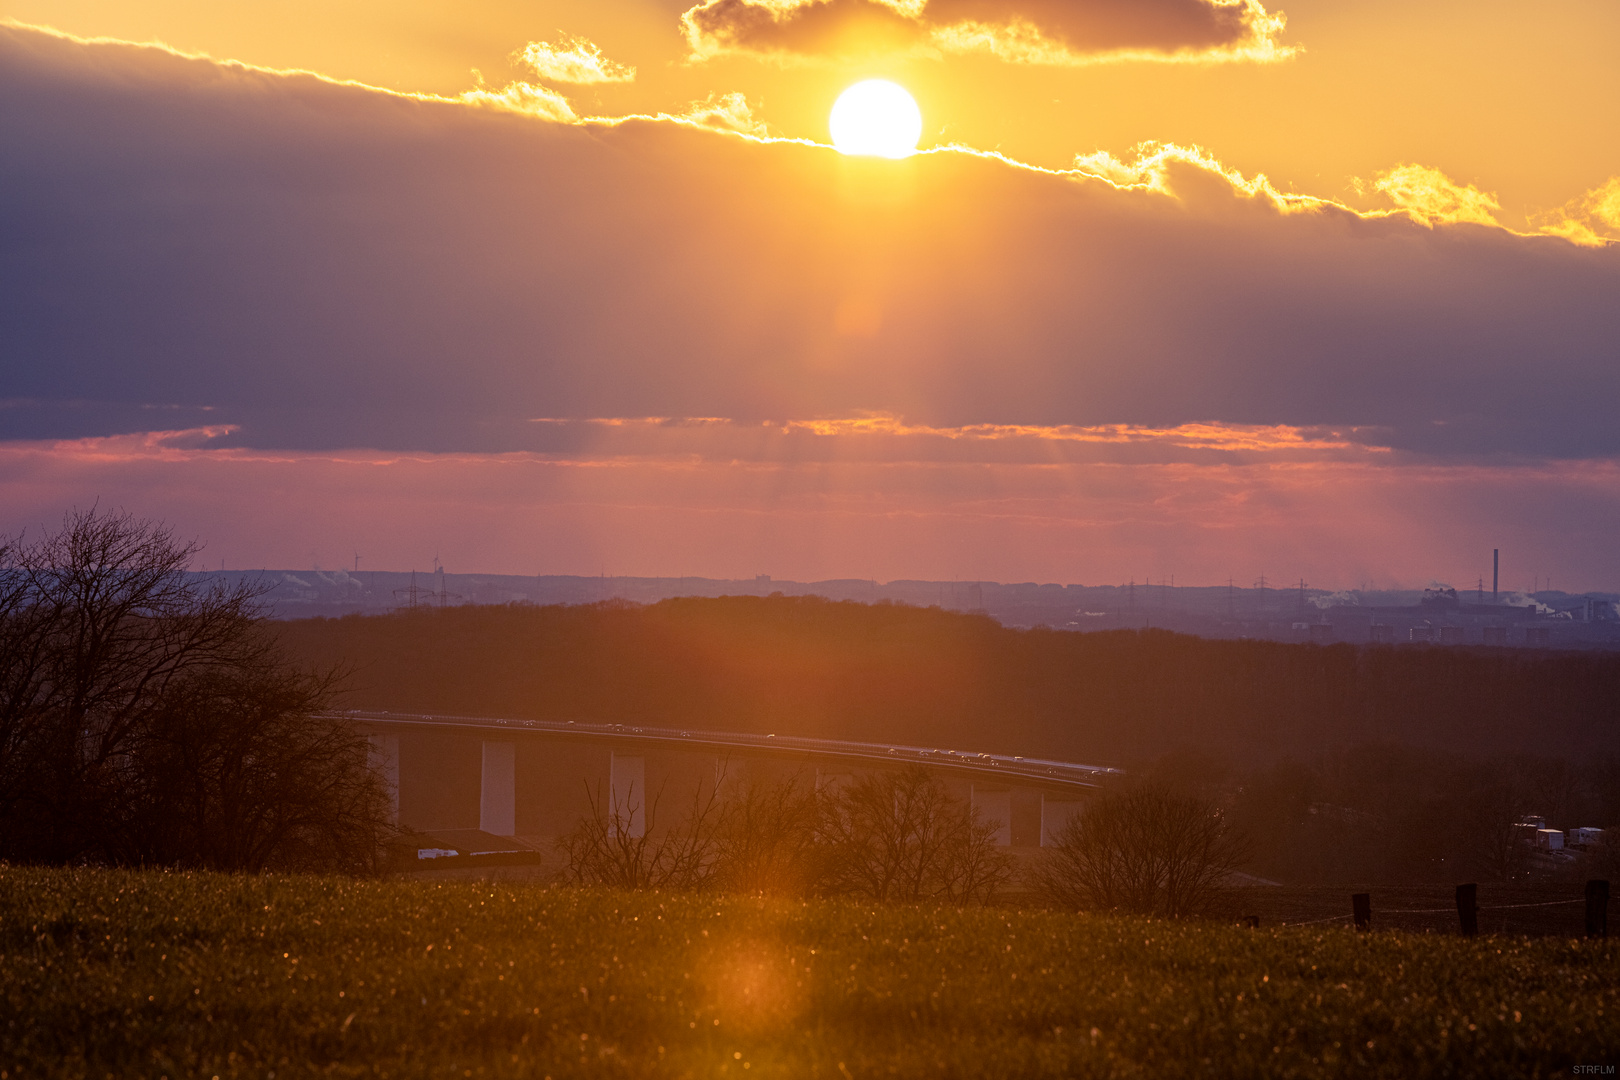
<point x="181" y="975"/>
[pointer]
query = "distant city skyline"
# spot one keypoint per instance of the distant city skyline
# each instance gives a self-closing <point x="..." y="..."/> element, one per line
<point x="1289" y="613"/>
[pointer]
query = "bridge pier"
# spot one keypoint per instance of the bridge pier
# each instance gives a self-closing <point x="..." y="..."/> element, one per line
<point x="383" y="757"/>
<point x="497" y="799"/>
<point x="994" y="805"/>
<point x="627" y="793"/>
<point x="1055" y="814"/>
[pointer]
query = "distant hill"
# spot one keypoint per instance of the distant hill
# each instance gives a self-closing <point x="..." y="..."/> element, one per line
<point x="888" y="672"/>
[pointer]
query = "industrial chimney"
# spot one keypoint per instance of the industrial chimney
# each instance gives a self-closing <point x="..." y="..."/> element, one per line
<point x="1496" y="566"/>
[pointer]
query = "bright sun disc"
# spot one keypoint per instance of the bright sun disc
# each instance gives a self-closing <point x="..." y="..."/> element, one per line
<point x="876" y="118"/>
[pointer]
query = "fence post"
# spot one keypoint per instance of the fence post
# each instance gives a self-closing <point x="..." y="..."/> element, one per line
<point x="1597" y="908"/>
<point x="1468" y="909"/>
<point x="1361" y="905"/>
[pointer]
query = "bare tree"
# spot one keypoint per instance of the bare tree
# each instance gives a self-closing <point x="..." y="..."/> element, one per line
<point x="147" y="717"/>
<point x="101" y="622"/>
<point x="767" y="838"/>
<point x="605" y="848"/>
<point x="900" y="835"/>
<point x="1147" y="849"/>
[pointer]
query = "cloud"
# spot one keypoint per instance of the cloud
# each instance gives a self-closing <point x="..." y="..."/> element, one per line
<point x="1430" y="196"/>
<point x="321" y="266"/>
<point x="1190" y="173"/>
<point x="884" y="437"/>
<point x="727" y="112"/>
<point x="1064" y="32"/>
<point x="806" y="29"/>
<point x="521" y="97"/>
<point x="1592" y="220"/>
<point x="573" y="60"/>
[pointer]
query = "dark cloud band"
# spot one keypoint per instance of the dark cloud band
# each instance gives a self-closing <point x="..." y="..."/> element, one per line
<point x="324" y="266"/>
<point x="1049" y="31"/>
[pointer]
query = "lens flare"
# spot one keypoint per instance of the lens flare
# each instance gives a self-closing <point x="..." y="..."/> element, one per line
<point x="876" y="118"/>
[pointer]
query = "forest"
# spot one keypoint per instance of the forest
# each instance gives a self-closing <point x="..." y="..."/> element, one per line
<point x="813" y="667"/>
<point x="1341" y="763"/>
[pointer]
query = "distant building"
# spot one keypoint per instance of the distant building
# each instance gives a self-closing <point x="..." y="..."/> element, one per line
<point x="1584" y="836"/>
<point x="1420" y="633"/>
<point x="1381" y="634"/>
<point x="1443" y="599"/>
<point x="1451" y="635"/>
<point x="1550" y="839"/>
<point x="1496" y="635"/>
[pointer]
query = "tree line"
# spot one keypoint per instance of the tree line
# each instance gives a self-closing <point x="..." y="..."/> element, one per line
<point x="146" y="719"/>
<point x="923" y="676"/>
<point x="1395" y="814"/>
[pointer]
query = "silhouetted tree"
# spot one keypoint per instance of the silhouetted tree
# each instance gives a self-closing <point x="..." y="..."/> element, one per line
<point x="767" y="837"/>
<point x="1146" y="849"/>
<point x="239" y="769"/>
<point x="147" y="717"/>
<point x="900" y="835"/>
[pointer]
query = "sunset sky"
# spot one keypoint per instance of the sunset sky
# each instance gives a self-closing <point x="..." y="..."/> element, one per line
<point x="1330" y="290"/>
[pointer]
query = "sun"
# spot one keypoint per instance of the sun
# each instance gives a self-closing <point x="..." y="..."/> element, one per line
<point x="876" y="118"/>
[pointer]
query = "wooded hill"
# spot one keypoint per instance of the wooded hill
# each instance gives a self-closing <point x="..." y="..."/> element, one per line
<point x="884" y="672"/>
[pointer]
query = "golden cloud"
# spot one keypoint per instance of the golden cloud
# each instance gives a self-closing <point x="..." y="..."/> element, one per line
<point x="727" y="112"/>
<point x="1213" y="436"/>
<point x="1057" y="32"/>
<point x="1432" y="198"/>
<point x="889" y="437"/>
<point x="526" y="98"/>
<point x="1591" y="220"/>
<point x="573" y="60"/>
<point x="1179" y="171"/>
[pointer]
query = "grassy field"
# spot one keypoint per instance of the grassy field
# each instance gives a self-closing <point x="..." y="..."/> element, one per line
<point x="150" y="974"/>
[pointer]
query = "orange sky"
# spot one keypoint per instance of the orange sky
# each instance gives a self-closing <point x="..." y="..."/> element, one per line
<point x="1092" y="342"/>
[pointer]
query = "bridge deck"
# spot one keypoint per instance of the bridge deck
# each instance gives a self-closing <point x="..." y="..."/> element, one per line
<point x="1038" y="771"/>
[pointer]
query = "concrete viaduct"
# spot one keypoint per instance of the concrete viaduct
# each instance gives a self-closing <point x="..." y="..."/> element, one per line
<point x="479" y="783"/>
